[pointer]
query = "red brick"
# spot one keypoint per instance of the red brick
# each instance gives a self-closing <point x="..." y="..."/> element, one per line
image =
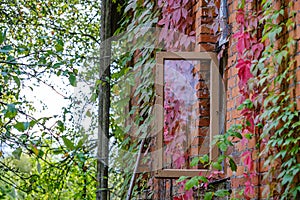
<point x="231" y="104"/>
<point x="232" y="17"/>
<point x="201" y="3"/>
<point x="235" y="114"/>
<point x="255" y="154"/>
<point x="203" y="47"/>
<point x="203" y="93"/>
<point x="232" y="60"/>
<point x="232" y="50"/>
<point x="194" y="150"/>
<point x="264" y="191"/>
<point x="240" y="146"/>
<point x="240" y="170"/>
<point x="254" y="180"/>
<point x="298" y="89"/>
<point x="207" y="38"/>
<point x="203" y="102"/>
<point x="237" y="182"/>
<point x="229" y="123"/>
<point x="204" y="29"/>
<point x="262" y="168"/>
<point x="296" y="33"/>
<point x="252" y="143"/>
<point x="232" y="82"/>
<point x="228" y="117"/>
<point x="203" y="131"/>
<point x="229" y="172"/>
<point x="235" y="4"/>
<point x="201" y="85"/>
<point x="235" y="92"/>
<point x="202" y="122"/>
<point x="233" y="71"/>
<point x="298" y="75"/>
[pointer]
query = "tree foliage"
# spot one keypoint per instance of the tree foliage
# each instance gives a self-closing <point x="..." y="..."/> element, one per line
<point x="40" y="42"/>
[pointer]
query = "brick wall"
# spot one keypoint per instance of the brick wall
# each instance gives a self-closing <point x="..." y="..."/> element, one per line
<point x="205" y="41"/>
<point x="232" y="94"/>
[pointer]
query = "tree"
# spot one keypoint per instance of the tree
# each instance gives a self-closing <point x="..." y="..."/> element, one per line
<point x="104" y="102"/>
<point x="40" y="40"/>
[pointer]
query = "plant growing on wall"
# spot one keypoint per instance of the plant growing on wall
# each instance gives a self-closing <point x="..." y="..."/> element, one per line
<point x="268" y="115"/>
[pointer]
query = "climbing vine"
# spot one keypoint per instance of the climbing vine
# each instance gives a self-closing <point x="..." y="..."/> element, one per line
<point x="267" y="107"/>
<point x="275" y="74"/>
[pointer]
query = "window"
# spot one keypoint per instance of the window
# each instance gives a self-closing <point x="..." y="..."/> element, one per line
<point x="187" y="91"/>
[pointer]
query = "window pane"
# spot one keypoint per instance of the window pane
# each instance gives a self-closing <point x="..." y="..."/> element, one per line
<point x="186" y="112"/>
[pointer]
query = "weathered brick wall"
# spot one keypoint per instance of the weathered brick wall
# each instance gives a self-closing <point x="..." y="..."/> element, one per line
<point x="296" y="35"/>
<point x="205" y="41"/>
<point x="232" y="116"/>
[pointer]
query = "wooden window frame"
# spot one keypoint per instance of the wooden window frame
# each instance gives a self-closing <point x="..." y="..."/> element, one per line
<point x="159" y="115"/>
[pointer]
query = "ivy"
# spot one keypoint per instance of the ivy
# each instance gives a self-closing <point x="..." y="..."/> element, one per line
<point x="280" y="115"/>
<point x="267" y="109"/>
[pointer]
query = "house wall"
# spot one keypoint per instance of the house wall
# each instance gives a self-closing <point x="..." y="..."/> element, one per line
<point x="206" y="41"/>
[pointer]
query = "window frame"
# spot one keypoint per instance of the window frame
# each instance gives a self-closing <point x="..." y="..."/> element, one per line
<point x="159" y="114"/>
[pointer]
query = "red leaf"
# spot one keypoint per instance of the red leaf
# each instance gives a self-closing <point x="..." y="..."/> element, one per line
<point x="178" y="198"/>
<point x="256" y="50"/>
<point x="162" y="21"/>
<point x="244" y="72"/>
<point x="248" y="160"/>
<point x="184" y="12"/>
<point x="160" y="3"/>
<point x="243" y="41"/>
<point x="192" y="33"/>
<point x="188" y="194"/>
<point x="249" y="189"/>
<point x="176" y="16"/>
<point x="240" y="17"/>
<point x="163" y="34"/>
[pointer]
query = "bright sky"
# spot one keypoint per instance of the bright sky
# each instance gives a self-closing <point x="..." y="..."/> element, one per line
<point x="48" y="96"/>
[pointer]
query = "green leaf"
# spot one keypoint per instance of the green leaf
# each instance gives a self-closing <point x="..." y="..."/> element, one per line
<point x="22" y="126"/>
<point x="3" y="36"/>
<point x="195" y="161"/>
<point x="59" y="46"/>
<point x="204" y="159"/>
<point x="191" y="183"/>
<point x="81" y="141"/>
<point x="221" y="158"/>
<point x="57" y="65"/>
<point x="208" y="196"/>
<point x="69" y="144"/>
<point x="223" y="147"/>
<point x="88" y="113"/>
<point x="203" y="179"/>
<point x="217" y="165"/>
<point x="222" y="193"/>
<point x="6" y="49"/>
<point x="241" y="107"/>
<point x="17" y="153"/>
<point x="38" y="166"/>
<point x="287" y="179"/>
<point x="232" y="164"/>
<point x="182" y="178"/>
<point x="17" y="80"/>
<point x="11" y="111"/>
<point x="72" y="80"/>
<point x="61" y="126"/>
<point x="248" y="136"/>
<point x="57" y="151"/>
